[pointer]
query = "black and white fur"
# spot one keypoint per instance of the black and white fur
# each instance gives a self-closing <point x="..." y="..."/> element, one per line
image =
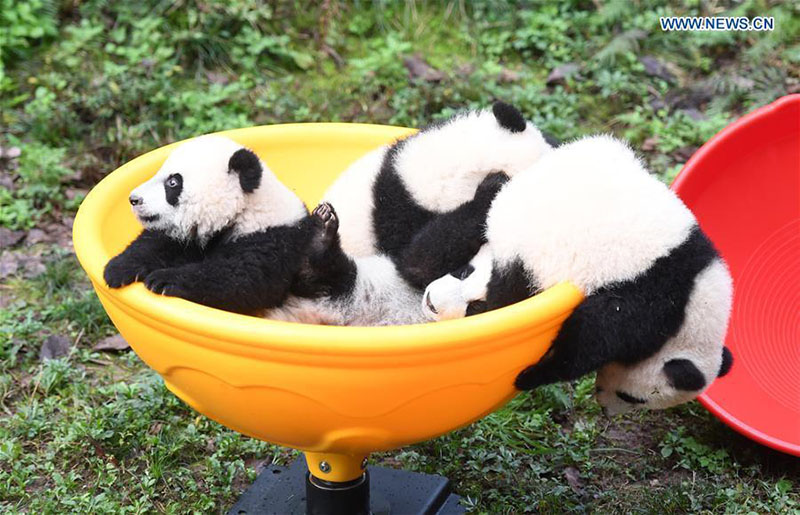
<point x="679" y="372"/>
<point x="460" y="293"/>
<point x="676" y="374"/>
<point x="418" y="202"/>
<point x="592" y="215"/>
<point x="219" y="229"/>
<point x="332" y="288"/>
<point x="658" y="296"/>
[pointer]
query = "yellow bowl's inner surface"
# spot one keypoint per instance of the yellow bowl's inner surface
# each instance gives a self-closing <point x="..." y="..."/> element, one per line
<point x="345" y="390"/>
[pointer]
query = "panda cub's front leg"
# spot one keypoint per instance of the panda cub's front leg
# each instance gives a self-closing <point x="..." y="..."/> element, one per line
<point x="170" y="282"/>
<point x="246" y="275"/>
<point x="242" y="283"/>
<point x="150" y="251"/>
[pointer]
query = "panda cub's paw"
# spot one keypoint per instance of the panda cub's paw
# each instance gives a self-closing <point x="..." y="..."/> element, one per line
<point x="533" y="377"/>
<point x="489" y="188"/>
<point x="328" y="223"/>
<point x="164" y="282"/>
<point x="121" y="272"/>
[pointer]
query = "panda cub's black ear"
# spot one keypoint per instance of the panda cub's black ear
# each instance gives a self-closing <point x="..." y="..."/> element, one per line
<point x="246" y="164"/>
<point x="682" y="374"/>
<point x="508" y="117"/>
<point x="727" y="362"/>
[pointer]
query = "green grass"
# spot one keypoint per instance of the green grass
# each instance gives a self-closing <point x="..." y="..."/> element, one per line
<point x="86" y="85"/>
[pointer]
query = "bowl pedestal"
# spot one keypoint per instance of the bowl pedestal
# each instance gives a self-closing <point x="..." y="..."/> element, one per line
<point x="293" y="490"/>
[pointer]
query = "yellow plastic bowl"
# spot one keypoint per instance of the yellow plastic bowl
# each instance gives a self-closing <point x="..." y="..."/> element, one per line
<point x="337" y="393"/>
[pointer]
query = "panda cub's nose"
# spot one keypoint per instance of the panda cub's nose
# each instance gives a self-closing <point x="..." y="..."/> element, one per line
<point x="134" y="200"/>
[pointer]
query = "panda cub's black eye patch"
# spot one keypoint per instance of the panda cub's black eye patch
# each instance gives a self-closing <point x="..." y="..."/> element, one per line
<point x="173" y="187"/>
<point x="630" y="399"/>
<point x="476" y="307"/>
<point x="463" y="272"/>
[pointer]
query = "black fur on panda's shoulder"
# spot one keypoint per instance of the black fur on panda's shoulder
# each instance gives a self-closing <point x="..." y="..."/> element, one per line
<point x="247" y="166"/>
<point x="508" y="284"/>
<point x="243" y="275"/>
<point x="628" y="321"/>
<point x="396" y="215"/>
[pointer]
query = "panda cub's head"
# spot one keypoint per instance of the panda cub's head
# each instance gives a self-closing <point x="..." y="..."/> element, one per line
<point x="659" y="382"/>
<point x="461" y="292"/>
<point x="201" y="188"/>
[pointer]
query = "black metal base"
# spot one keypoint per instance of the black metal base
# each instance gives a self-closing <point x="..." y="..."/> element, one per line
<point x="282" y="491"/>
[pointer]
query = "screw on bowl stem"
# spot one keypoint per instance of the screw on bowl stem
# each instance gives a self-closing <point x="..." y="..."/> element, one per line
<point x="324" y="466"/>
<point x="363" y="463"/>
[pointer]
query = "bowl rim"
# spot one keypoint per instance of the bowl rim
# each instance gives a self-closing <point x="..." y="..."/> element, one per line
<point x="537" y="313"/>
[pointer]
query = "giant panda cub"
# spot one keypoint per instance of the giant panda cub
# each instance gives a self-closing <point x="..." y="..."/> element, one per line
<point x="676" y="374"/>
<point x="333" y="288"/>
<point x="219" y="229"/>
<point x="592" y="215"/>
<point x="658" y="295"/>
<point x="415" y="201"/>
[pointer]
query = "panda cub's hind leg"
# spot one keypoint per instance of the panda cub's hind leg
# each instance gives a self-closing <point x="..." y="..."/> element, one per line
<point x="327" y="224"/>
<point x="487" y="190"/>
<point x="325" y="270"/>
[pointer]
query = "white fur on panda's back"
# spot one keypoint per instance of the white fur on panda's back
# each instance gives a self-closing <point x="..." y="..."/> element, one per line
<point x="587" y="212"/>
<point x="351" y="195"/>
<point x="443" y="166"/>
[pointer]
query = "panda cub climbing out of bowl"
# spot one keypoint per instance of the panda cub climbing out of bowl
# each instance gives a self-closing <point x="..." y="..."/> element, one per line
<point x="405" y="199"/>
<point x="219" y="229"/>
<point x="677" y="373"/>
<point x="658" y="295"/>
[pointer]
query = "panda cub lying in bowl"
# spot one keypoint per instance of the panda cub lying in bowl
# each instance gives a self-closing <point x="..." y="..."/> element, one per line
<point x="658" y="295"/>
<point x="219" y="229"/>
<point x="405" y="214"/>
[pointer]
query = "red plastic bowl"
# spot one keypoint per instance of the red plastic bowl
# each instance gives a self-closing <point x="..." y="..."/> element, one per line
<point x="744" y="187"/>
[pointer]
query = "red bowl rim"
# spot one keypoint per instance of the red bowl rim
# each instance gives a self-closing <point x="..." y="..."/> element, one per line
<point x="680" y="182"/>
